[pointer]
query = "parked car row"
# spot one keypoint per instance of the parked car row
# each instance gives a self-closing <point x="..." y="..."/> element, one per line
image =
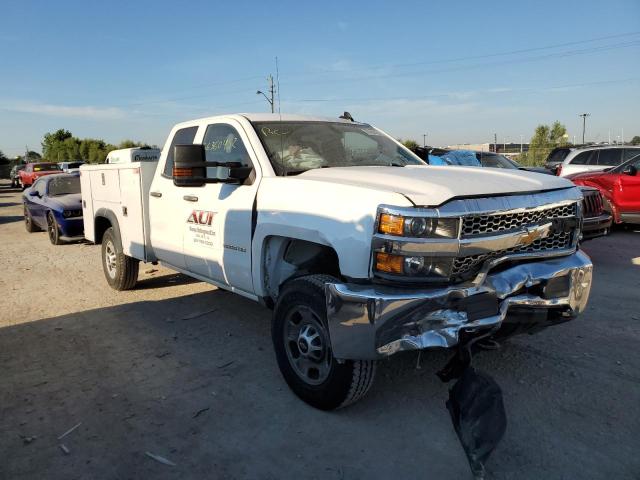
<point x="597" y="221"/>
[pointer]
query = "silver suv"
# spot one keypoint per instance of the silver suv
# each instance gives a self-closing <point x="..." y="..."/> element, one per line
<point x="595" y="158"/>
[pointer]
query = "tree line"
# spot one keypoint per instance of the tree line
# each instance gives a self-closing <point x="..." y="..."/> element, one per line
<point x="61" y="145"/>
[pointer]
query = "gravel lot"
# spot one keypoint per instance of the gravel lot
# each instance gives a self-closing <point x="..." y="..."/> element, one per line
<point x="185" y="371"/>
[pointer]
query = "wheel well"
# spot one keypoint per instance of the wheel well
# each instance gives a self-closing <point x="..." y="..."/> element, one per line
<point x="101" y="225"/>
<point x="287" y="258"/>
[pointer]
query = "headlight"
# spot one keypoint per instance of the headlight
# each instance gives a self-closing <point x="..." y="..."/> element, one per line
<point x="418" y="227"/>
<point x="414" y="266"/>
<point x="72" y="213"/>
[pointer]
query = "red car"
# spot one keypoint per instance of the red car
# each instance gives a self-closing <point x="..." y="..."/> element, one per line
<point x="620" y="186"/>
<point x="33" y="171"/>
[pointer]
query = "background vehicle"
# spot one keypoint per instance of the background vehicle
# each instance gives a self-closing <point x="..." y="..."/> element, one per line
<point x="620" y="187"/>
<point x="15" y="175"/>
<point x="33" y="171"/>
<point x="128" y="155"/>
<point x="595" y="158"/>
<point x="69" y="167"/>
<point x="361" y="249"/>
<point x="596" y="221"/>
<point x="54" y="204"/>
<point x="465" y="158"/>
<point x="557" y="156"/>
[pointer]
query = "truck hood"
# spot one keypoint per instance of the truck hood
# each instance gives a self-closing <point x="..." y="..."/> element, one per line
<point x="433" y="185"/>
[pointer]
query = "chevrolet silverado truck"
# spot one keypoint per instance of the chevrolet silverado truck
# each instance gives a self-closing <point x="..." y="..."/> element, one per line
<point x="360" y="248"/>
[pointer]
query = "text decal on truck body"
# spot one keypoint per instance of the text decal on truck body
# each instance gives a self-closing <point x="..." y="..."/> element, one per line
<point x="201" y="229"/>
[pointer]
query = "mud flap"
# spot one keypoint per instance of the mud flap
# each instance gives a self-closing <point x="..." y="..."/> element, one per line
<point x="476" y="408"/>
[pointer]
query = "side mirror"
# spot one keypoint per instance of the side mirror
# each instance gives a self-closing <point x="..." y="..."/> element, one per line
<point x="33" y="193"/>
<point x="189" y="166"/>
<point x="630" y="170"/>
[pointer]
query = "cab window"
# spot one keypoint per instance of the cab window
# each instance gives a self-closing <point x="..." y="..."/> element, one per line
<point x="184" y="136"/>
<point x="222" y="144"/>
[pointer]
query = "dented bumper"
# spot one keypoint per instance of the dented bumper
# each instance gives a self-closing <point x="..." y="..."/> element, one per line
<point x="373" y="321"/>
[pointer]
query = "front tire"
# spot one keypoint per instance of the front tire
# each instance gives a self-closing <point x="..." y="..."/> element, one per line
<point x="120" y="270"/>
<point x="303" y="348"/>
<point x="28" y="221"/>
<point x="53" y="229"/>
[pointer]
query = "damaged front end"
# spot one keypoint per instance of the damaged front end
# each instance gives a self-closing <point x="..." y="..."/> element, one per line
<point x="531" y="275"/>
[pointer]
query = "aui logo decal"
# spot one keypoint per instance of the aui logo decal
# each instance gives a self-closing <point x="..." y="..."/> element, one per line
<point x="201" y="217"/>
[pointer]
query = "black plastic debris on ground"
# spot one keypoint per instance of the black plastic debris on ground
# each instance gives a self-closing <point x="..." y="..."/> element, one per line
<point x="476" y="408"/>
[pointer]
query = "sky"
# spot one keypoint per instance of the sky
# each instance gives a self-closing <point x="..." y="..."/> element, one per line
<point x="458" y="72"/>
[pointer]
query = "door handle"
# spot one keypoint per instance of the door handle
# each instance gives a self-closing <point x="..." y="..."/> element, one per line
<point x="155" y="194"/>
<point x="190" y="198"/>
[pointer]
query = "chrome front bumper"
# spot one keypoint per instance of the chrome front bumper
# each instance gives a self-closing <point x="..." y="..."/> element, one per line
<point x="373" y="321"/>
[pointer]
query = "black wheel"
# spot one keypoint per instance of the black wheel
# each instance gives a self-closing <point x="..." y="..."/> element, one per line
<point x="120" y="270"/>
<point x="28" y="221"/>
<point x="303" y="348"/>
<point x="53" y="230"/>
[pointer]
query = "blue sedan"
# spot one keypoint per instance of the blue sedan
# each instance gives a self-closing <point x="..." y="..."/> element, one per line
<point x="53" y="203"/>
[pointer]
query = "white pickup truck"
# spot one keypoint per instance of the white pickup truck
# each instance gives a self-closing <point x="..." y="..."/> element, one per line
<point x="360" y="248"/>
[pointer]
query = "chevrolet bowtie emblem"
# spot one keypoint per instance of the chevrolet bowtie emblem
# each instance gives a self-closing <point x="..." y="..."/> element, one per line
<point x="531" y="234"/>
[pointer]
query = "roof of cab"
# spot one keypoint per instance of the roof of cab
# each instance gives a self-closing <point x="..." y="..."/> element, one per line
<point x="268" y="117"/>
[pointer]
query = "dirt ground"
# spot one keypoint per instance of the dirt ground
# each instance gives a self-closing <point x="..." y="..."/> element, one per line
<point x="184" y="371"/>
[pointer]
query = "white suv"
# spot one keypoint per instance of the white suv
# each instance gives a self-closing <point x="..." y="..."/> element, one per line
<point x="595" y="158"/>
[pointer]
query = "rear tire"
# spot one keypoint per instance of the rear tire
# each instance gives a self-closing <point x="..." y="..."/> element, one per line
<point x="303" y="349"/>
<point x="53" y="230"/>
<point x="28" y="221"/>
<point x="120" y="270"/>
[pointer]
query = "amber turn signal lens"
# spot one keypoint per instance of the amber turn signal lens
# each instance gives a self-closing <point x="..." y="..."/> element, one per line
<point x="388" y="263"/>
<point x="182" y="172"/>
<point x="391" y="224"/>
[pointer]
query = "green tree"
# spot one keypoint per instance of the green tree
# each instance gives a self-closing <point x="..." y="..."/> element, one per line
<point x="410" y="144"/>
<point x="544" y="139"/>
<point x="635" y="140"/>
<point x="3" y="159"/>
<point x="51" y="149"/>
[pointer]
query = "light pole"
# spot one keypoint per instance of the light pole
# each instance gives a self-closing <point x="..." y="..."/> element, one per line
<point x="521" y="140"/>
<point x="271" y="93"/>
<point x="584" y="124"/>
<point x="424" y="140"/>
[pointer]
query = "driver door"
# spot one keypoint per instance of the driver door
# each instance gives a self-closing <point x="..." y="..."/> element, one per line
<point x="217" y="240"/>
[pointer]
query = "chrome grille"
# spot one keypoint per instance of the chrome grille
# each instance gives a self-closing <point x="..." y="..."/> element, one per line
<point x="465" y="266"/>
<point x="476" y="225"/>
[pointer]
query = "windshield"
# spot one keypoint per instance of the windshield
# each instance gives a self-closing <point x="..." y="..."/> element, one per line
<point x="64" y="185"/>
<point x="495" y="161"/>
<point x="295" y="147"/>
<point x="45" y="167"/>
<point x="75" y="164"/>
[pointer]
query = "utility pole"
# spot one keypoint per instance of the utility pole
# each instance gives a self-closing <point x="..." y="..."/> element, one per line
<point x="521" y="140"/>
<point x="424" y="140"/>
<point x="272" y="90"/>
<point x="495" y="143"/>
<point x="584" y="123"/>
